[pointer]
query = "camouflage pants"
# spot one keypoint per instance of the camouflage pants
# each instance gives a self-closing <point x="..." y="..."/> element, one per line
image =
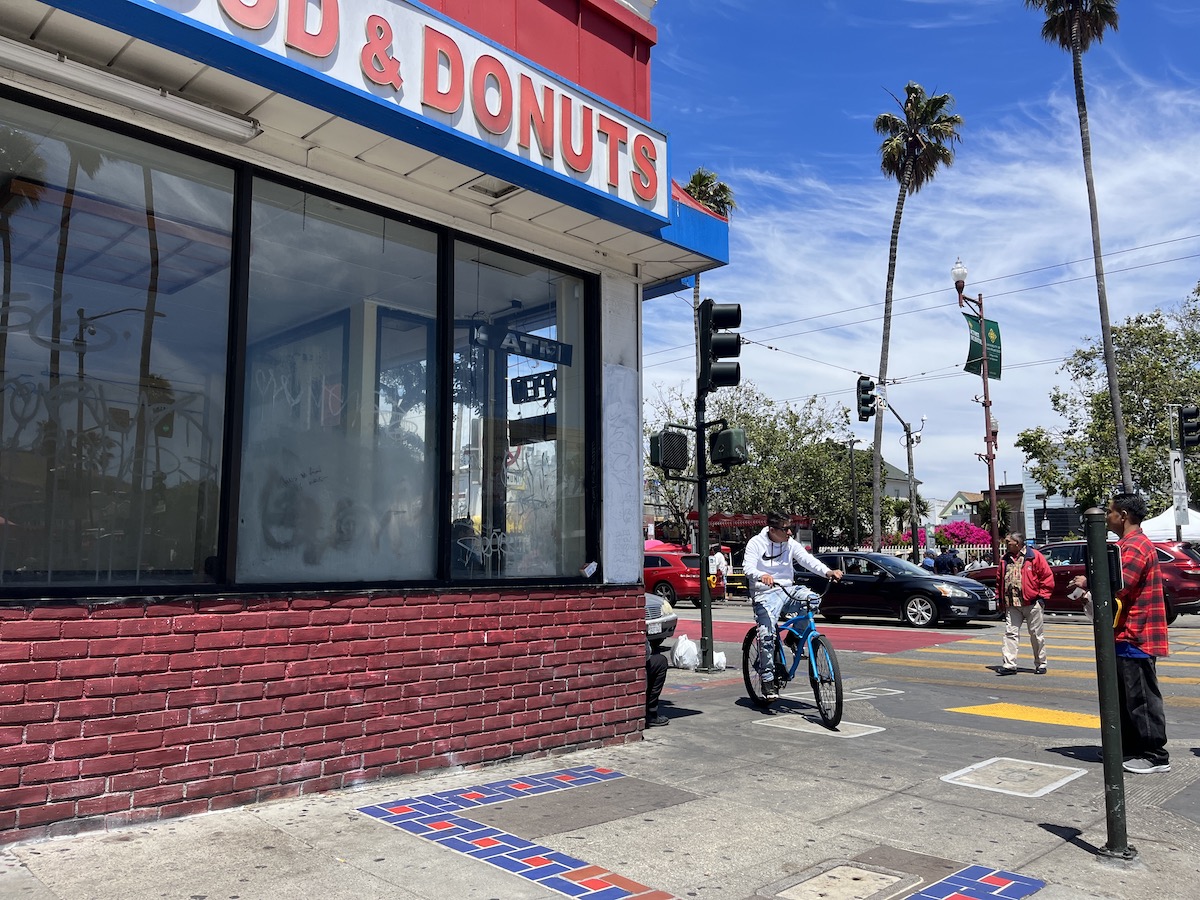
<point x="765" y="664"/>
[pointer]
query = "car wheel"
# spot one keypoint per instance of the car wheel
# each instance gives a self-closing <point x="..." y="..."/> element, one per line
<point x="664" y="590"/>
<point x="1172" y="615"/>
<point x="920" y="611"/>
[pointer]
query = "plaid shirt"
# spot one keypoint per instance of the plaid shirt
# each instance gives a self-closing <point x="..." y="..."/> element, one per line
<point x="1143" y="617"/>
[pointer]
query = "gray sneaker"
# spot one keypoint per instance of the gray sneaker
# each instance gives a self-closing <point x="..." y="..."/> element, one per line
<point x="769" y="691"/>
<point x="1144" y="767"/>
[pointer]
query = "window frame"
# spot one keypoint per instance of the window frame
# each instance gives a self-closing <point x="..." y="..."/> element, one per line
<point x="223" y="583"/>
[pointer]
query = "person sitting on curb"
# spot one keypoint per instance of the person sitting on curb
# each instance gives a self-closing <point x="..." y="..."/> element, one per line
<point x="656" y="677"/>
<point x="1025" y="582"/>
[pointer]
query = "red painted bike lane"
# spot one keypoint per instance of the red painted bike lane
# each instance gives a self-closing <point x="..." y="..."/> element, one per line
<point x="868" y="638"/>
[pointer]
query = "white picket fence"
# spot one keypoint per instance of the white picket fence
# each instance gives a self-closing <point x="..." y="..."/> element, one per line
<point x="968" y="552"/>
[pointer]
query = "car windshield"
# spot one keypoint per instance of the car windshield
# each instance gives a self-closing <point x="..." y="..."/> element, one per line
<point x="898" y="566"/>
<point x="1190" y="550"/>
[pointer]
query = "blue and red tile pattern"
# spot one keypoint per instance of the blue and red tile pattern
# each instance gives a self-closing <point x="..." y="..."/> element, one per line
<point x="981" y="883"/>
<point x="440" y="818"/>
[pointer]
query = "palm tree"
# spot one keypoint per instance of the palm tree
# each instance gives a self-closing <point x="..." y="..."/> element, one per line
<point x="1003" y="514"/>
<point x="18" y="158"/>
<point x="705" y="188"/>
<point x="1074" y="25"/>
<point x="89" y="159"/>
<point x="914" y="147"/>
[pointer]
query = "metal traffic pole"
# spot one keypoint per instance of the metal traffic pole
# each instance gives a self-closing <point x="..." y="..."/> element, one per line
<point x="1099" y="580"/>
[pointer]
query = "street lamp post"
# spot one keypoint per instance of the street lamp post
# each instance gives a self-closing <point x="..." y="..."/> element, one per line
<point x="959" y="274"/>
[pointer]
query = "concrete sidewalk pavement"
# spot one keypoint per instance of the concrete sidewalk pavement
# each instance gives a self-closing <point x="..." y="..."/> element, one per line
<point x="726" y="803"/>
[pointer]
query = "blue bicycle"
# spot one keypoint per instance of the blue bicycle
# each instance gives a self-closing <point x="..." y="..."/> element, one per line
<point x="797" y="638"/>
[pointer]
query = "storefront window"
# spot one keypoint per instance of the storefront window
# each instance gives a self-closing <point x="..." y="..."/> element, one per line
<point x="339" y="467"/>
<point x="113" y="343"/>
<point x="517" y="503"/>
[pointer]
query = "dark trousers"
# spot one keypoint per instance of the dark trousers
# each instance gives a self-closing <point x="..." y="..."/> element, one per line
<point x="1143" y="721"/>
<point x="656" y="677"/>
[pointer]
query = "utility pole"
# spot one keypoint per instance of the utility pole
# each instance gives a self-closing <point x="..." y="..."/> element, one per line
<point x="853" y="497"/>
<point x="910" y="438"/>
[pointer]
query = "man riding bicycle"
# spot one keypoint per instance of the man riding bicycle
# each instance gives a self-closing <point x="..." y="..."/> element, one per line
<point x="770" y="556"/>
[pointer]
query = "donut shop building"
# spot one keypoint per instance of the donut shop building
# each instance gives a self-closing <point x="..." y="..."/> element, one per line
<point x="320" y="362"/>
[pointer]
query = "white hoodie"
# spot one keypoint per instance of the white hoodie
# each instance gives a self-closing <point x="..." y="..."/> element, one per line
<point x="767" y="557"/>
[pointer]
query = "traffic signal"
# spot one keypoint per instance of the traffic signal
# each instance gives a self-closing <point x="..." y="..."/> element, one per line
<point x="727" y="447"/>
<point x="866" y="398"/>
<point x="717" y="343"/>
<point x="1189" y="427"/>
<point x="669" y="451"/>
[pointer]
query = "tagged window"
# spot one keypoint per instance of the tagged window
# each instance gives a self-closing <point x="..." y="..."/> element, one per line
<point x="517" y="500"/>
<point x="339" y="450"/>
<point x="113" y="344"/>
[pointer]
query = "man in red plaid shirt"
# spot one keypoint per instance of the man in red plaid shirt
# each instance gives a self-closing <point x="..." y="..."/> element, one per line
<point x="1140" y="630"/>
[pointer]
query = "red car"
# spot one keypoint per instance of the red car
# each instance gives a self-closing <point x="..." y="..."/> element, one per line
<point x="676" y="576"/>
<point x="1179" y="560"/>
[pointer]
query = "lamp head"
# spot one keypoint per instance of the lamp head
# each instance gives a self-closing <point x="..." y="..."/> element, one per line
<point x="959" y="274"/>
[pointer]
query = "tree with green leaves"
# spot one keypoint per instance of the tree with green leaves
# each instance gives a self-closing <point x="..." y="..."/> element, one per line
<point x="1003" y="514"/>
<point x="798" y="463"/>
<point x="1075" y="25"/>
<point x="916" y="144"/>
<point x="1156" y="355"/>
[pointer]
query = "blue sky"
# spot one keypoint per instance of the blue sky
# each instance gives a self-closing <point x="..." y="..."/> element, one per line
<point x="779" y="97"/>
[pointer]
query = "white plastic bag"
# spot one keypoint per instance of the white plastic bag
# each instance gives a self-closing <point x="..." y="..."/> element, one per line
<point x="685" y="654"/>
<point x="719" y="660"/>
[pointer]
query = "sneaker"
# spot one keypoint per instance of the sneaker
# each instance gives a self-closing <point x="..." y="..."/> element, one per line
<point x="1144" y="767"/>
<point x="1006" y="670"/>
<point x="657" y="721"/>
<point x="769" y="691"/>
<point x="1040" y="670"/>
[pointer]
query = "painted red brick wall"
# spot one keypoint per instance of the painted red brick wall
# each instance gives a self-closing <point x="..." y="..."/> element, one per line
<point x="118" y="714"/>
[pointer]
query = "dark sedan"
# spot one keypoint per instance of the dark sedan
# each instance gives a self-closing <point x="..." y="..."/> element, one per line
<point x="875" y="584"/>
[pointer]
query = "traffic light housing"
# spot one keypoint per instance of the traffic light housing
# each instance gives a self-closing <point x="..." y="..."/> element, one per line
<point x="866" y="398"/>
<point x="727" y="447"/>
<point x="669" y="451"/>
<point x="718" y="343"/>
<point x="1189" y="427"/>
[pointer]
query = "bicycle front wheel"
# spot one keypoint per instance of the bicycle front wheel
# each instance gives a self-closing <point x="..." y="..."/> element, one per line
<point x="752" y="649"/>
<point x="827" y="681"/>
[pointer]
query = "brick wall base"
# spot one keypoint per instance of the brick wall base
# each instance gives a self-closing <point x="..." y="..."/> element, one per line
<point x="119" y="714"/>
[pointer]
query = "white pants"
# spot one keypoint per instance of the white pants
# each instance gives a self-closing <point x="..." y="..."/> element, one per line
<point x="1031" y="615"/>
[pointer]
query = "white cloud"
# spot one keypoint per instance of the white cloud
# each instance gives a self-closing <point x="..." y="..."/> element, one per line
<point x="812" y="253"/>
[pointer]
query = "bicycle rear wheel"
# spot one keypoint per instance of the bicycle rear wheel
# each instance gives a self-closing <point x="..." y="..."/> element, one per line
<point x="752" y="649"/>
<point x="827" y="682"/>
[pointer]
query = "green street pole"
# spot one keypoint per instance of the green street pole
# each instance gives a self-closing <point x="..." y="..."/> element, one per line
<point x="1106" y="682"/>
<point x="706" y="623"/>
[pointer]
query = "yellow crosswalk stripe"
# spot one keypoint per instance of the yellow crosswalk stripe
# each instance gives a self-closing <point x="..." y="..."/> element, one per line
<point x="949" y="651"/>
<point x="975" y="667"/>
<point x="1031" y="714"/>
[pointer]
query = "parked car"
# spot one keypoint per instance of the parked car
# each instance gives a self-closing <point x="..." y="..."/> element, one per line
<point x="875" y="584"/>
<point x="676" y="576"/>
<point x="660" y="621"/>
<point x="1179" y="561"/>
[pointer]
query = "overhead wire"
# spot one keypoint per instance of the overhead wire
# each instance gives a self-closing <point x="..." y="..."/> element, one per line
<point x="934" y="306"/>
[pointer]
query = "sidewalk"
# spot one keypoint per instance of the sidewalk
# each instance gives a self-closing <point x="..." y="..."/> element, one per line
<point x="724" y="804"/>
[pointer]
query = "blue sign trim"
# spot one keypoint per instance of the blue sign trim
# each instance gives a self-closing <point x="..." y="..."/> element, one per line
<point x="173" y="31"/>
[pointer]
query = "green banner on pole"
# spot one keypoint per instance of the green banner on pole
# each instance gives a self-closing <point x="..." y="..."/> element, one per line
<point x="975" y="354"/>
